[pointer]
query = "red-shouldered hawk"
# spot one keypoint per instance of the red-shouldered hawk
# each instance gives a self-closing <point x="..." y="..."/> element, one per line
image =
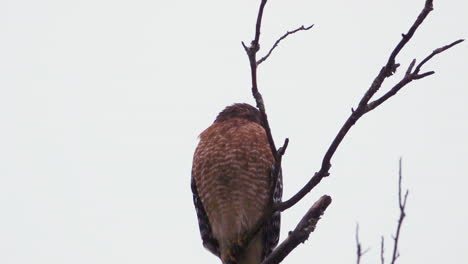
<point x="232" y="185"/>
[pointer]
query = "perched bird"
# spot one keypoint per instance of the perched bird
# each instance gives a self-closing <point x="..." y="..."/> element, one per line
<point x="232" y="187"/>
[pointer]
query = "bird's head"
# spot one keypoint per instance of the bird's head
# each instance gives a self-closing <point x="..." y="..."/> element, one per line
<point x="244" y="111"/>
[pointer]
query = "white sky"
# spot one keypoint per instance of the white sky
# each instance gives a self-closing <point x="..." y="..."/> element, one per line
<point x="101" y="103"/>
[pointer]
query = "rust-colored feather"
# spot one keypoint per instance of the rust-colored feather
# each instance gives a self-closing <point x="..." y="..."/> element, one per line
<point x="231" y="170"/>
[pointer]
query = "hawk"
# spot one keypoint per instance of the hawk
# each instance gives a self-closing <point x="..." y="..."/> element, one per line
<point x="232" y="185"/>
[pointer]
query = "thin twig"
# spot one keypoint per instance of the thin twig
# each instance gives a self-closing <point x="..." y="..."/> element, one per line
<point x="301" y="232"/>
<point x="359" y="252"/>
<point x="401" y="205"/>
<point x="364" y="106"/>
<point x="280" y="39"/>
<point x="435" y="52"/>
<point x="410" y="76"/>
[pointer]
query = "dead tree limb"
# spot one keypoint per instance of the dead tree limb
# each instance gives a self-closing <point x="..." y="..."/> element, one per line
<point x="252" y="51"/>
<point x="359" y="251"/>
<point x="301" y="232"/>
<point x="402" y="206"/>
<point x="252" y="54"/>
<point x="364" y="106"/>
<point x="410" y="76"/>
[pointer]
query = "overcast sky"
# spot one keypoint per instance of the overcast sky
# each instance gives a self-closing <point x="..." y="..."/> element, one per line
<point x="101" y="104"/>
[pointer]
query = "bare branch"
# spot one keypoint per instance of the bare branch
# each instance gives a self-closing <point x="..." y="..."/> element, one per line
<point x="359" y="252"/>
<point x="410" y="67"/>
<point x="435" y="52"/>
<point x="282" y="150"/>
<point x="364" y="106"/>
<point x="251" y="52"/>
<point x="402" y="205"/>
<point x="280" y="39"/>
<point x="301" y="232"/>
<point x="422" y="75"/>
<point x="390" y="67"/>
<point x="308" y="222"/>
<point x="252" y="55"/>
<point x="428" y="7"/>
<point x="410" y="76"/>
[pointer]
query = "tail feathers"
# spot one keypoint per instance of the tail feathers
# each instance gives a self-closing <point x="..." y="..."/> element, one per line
<point x="236" y="253"/>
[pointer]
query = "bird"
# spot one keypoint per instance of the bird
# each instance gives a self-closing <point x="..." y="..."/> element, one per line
<point x="234" y="189"/>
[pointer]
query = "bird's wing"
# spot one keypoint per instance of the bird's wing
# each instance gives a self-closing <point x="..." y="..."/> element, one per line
<point x="271" y="230"/>
<point x="209" y="242"/>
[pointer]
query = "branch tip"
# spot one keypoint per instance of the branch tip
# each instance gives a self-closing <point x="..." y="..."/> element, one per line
<point x="301" y="28"/>
<point x="410" y="67"/>
<point x="435" y="52"/>
<point x="282" y="149"/>
<point x="422" y="75"/>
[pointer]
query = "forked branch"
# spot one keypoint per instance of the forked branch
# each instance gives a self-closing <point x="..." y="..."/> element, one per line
<point x="280" y="39"/>
<point x="364" y="106"/>
<point x="410" y="76"/>
<point x="402" y="206"/>
<point x="252" y="54"/>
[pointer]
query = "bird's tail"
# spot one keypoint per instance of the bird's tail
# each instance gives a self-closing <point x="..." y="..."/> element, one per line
<point x="235" y="253"/>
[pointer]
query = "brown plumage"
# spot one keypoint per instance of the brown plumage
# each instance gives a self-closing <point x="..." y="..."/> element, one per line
<point x="231" y="184"/>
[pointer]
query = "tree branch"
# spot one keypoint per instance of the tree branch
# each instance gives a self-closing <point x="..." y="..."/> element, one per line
<point x="402" y="205"/>
<point x="364" y="106"/>
<point x="308" y="222"/>
<point x="437" y="51"/>
<point x="280" y="39"/>
<point x="301" y="232"/>
<point x="252" y="51"/>
<point x="410" y="76"/>
<point x="359" y="252"/>
<point x="252" y="55"/>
